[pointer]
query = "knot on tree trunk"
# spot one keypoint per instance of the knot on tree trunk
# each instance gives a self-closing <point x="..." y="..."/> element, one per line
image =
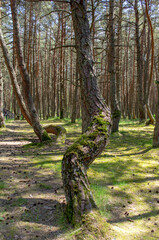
<point x="58" y="130"/>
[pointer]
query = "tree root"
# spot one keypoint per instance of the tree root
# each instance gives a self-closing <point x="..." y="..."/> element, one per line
<point x="58" y="130"/>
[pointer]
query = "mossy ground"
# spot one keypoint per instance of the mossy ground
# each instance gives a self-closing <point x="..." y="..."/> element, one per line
<point x="124" y="182"/>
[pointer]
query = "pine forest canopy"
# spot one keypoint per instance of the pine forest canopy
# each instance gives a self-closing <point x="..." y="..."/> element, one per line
<point x="47" y="35"/>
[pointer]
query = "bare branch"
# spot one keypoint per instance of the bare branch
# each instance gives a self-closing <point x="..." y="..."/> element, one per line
<point x="64" y="46"/>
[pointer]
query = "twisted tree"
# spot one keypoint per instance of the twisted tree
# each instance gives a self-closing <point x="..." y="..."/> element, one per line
<point x="83" y="152"/>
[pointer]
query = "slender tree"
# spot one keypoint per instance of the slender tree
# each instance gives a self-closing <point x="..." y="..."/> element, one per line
<point x="2" y="120"/>
<point x="40" y="132"/>
<point x="141" y="105"/>
<point x="113" y="96"/>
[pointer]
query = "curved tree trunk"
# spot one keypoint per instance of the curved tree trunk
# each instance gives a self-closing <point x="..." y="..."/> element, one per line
<point x="38" y="129"/>
<point x="82" y="153"/>
<point x="59" y="131"/>
<point x="149" y="113"/>
<point x="14" y="80"/>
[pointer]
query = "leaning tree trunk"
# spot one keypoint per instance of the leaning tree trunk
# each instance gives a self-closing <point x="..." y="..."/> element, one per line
<point x="38" y="129"/>
<point x="59" y="131"/>
<point x="14" y="79"/>
<point x="82" y="153"/>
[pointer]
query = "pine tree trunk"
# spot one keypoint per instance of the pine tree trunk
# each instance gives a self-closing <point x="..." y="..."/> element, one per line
<point x="141" y="105"/>
<point x="40" y="132"/>
<point x="114" y="104"/>
<point x="156" y="130"/>
<point x="74" y="107"/>
<point x="2" y="120"/>
<point x="82" y="153"/>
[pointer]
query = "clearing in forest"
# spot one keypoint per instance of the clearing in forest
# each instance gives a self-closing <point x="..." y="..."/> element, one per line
<point x="124" y="181"/>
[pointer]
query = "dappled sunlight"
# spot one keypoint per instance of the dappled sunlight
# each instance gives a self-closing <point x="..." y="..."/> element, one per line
<point x="124" y="181"/>
<point x="13" y="143"/>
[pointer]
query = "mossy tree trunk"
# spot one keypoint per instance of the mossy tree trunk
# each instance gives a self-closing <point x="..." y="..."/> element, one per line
<point x="82" y="153"/>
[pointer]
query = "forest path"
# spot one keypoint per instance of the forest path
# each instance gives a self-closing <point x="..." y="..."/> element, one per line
<point x="31" y="195"/>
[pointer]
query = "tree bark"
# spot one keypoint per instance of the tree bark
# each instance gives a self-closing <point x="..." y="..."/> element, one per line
<point x="14" y="80"/>
<point x="74" y="107"/>
<point x="97" y="128"/>
<point x="141" y="105"/>
<point x="2" y="120"/>
<point x="152" y="120"/>
<point x="40" y="132"/>
<point x="156" y="130"/>
<point x="118" y="54"/>
<point x="114" y="103"/>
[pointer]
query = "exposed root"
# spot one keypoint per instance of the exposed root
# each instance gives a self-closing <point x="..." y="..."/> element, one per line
<point x="58" y="130"/>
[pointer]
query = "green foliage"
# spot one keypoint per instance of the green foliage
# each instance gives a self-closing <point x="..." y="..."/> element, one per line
<point x="2" y="185"/>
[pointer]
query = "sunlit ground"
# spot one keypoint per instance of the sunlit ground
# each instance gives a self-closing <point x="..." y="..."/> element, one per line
<point x="124" y="181"/>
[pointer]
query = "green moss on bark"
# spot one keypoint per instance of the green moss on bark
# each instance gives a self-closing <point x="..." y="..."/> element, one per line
<point x="98" y="128"/>
<point x="45" y="137"/>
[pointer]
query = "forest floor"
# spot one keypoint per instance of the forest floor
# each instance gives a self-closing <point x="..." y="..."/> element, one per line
<point x="124" y="182"/>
